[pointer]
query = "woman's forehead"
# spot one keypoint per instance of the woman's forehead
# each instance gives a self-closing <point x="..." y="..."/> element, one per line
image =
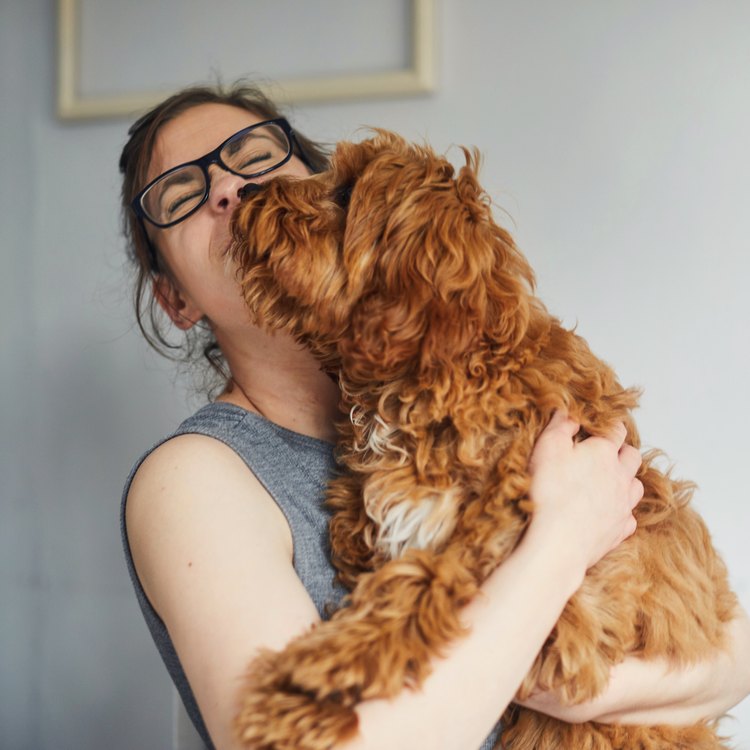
<point x="194" y="133"/>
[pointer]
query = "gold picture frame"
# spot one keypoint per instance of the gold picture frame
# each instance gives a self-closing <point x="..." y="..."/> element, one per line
<point x="418" y="77"/>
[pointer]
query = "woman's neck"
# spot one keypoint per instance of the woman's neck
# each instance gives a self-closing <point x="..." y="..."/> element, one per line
<point x="275" y="377"/>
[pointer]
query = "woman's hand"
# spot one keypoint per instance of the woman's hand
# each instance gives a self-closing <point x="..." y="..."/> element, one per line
<point x="583" y="493"/>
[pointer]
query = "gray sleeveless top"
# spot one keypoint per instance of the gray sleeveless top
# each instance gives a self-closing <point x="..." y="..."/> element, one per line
<point x="294" y="469"/>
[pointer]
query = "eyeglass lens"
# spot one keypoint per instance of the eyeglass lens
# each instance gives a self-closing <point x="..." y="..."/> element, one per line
<point x="248" y="154"/>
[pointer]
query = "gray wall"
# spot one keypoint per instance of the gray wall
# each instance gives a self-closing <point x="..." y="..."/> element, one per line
<point x="615" y="135"/>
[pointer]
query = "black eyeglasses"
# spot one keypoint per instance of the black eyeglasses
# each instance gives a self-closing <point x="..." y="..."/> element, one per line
<point x="178" y="193"/>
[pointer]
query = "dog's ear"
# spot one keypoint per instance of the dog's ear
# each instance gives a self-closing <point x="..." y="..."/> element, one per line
<point x="447" y="280"/>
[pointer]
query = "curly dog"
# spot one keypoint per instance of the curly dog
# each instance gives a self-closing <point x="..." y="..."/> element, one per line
<point x="391" y="268"/>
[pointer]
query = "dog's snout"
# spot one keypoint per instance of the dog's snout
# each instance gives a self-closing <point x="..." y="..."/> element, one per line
<point x="248" y="190"/>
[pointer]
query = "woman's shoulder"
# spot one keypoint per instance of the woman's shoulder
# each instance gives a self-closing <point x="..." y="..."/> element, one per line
<point x="223" y="467"/>
<point x="197" y="455"/>
<point x="191" y="470"/>
<point x="185" y="492"/>
<point x="207" y="443"/>
<point x="194" y="458"/>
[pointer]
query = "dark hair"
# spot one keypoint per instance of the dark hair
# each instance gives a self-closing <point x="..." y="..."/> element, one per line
<point x="198" y="342"/>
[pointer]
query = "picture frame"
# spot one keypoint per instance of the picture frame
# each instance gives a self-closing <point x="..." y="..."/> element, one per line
<point x="417" y="77"/>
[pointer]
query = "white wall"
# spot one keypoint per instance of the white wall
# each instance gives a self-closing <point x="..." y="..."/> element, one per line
<point x="615" y="134"/>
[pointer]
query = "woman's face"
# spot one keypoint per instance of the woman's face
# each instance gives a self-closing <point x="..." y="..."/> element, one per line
<point x="196" y="249"/>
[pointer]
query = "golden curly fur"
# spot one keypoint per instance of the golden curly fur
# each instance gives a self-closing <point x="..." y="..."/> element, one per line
<point x="391" y="268"/>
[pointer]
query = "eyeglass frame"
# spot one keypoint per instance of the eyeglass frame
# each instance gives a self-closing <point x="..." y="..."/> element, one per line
<point x="204" y="162"/>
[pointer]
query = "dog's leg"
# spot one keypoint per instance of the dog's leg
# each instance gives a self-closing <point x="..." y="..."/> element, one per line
<point x="399" y="617"/>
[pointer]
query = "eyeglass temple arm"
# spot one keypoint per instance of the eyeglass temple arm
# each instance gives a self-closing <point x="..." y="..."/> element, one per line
<point x="302" y="155"/>
<point x="150" y="247"/>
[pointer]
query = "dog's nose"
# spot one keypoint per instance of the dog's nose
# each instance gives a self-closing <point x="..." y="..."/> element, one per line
<point x="250" y="188"/>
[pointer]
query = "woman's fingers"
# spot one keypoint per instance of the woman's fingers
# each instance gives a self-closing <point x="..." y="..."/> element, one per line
<point x="561" y="421"/>
<point x="636" y="492"/>
<point x="617" y="434"/>
<point x="588" y="487"/>
<point x="630" y="458"/>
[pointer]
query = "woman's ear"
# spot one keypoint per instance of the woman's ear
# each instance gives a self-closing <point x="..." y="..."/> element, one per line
<point x="181" y="311"/>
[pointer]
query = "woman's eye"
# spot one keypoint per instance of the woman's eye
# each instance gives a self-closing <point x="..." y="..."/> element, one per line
<point x="254" y="159"/>
<point x="178" y="203"/>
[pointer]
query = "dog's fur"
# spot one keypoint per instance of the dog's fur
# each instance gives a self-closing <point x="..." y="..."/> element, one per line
<point x="391" y="268"/>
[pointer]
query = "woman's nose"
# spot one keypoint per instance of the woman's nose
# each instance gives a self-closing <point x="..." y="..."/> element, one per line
<point x="224" y="190"/>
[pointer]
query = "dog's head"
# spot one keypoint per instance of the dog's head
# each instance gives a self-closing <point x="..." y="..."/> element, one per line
<point x="389" y="261"/>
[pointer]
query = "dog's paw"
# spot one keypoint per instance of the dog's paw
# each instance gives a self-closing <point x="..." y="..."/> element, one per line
<point x="292" y="721"/>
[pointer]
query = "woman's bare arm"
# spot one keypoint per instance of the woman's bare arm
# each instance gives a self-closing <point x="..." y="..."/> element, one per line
<point x="657" y="692"/>
<point x="214" y="555"/>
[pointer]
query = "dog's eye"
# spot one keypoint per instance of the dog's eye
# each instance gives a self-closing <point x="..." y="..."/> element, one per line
<point x="342" y="196"/>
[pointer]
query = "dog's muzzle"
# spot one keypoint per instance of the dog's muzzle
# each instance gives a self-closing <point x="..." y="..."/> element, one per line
<point x="248" y="190"/>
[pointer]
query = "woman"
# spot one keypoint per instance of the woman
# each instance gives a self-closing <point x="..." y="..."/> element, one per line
<point x="223" y="524"/>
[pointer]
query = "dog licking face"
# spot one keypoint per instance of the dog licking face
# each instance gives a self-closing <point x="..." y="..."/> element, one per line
<point x="356" y="264"/>
<point x="391" y="268"/>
